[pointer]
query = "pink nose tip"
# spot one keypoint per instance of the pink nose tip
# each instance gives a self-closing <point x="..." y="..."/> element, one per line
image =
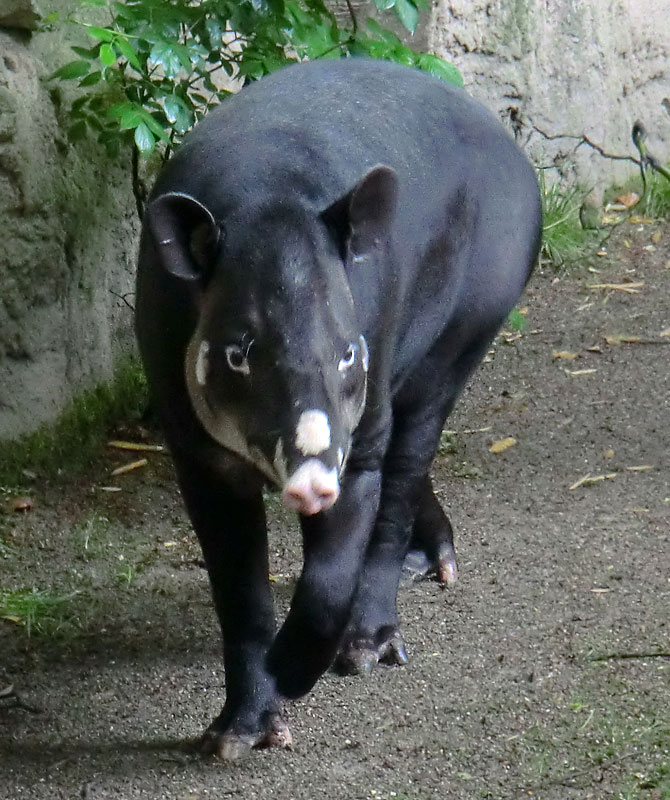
<point x="312" y="488"/>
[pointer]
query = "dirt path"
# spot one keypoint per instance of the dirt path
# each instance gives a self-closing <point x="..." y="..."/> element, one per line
<point x="544" y="673"/>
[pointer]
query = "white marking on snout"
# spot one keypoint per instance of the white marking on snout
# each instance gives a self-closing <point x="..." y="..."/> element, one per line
<point x="312" y="488"/>
<point x="312" y="434"/>
<point x="202" y="363"/>
<point x="340" y="457"/>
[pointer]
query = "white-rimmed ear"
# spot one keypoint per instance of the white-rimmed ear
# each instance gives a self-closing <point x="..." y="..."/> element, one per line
<point x="185" y="234"/>
<point x="360" y="219"/>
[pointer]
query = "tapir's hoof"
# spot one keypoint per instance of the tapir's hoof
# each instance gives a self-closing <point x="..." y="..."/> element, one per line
<point x="231" y="746"/>
<point x="418" y="566"/>
<point x="360" y="656"/>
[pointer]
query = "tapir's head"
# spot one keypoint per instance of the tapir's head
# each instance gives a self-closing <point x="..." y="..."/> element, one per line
<point x="277" y="366"/>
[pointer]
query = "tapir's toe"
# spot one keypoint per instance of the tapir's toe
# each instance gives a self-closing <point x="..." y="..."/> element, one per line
<point x="360" y="656"/>
<point x="443" y="566"/>
<point x="231" y="745"/>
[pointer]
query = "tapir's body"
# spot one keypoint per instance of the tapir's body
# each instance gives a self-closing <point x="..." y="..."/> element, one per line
<point x="324" y="261"/>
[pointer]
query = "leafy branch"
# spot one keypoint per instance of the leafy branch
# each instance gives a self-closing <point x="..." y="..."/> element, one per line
<point x="158" y="66"/>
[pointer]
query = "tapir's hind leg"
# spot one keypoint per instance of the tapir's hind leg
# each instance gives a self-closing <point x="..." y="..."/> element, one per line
<point x="431" y="548"/>
<point x="408" y="506"/>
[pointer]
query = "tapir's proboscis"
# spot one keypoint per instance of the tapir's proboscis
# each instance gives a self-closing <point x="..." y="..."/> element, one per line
<point x="324" y="261"/>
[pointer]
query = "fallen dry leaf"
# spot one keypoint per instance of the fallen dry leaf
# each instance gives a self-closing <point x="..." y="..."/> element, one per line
<point x="622" y="339"/>
<point x="665" y="332"/>
<point x="141" y="462"/>
<point x="120" y="445"/>
<point x="564" y="354"/>
<point x="20" y="504"/>
<point x="628" y="200"/>
<point x="630" y="288"/>
<point x="640" y="220"/>
<point x="502" y="444"/>
<point x="581" y="371"/>
<point x="656" y="237"/>
<point x="641" y="468"/>
<point x="595" y="349"/>
<point x="588" y="479"/>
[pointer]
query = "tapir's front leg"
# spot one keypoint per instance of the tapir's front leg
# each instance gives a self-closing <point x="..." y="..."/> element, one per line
<point x="334" y="544"/>
<point x="231" y="528"/>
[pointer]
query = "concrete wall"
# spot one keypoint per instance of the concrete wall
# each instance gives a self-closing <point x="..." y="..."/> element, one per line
<point x="68" y="227"/>
<point x="568" y="66"/>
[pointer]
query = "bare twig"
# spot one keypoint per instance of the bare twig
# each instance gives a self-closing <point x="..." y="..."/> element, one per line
<point x="630" y="656"/>
<point x="123" y="297"/>
<point x="584" y="140"/>
<point x="354" y="21"/>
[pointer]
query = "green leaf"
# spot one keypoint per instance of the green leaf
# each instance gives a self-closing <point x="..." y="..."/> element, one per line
<point x="178" y="114"/>
<point x="92" y="79"/>
<point x="440" y="69"/>
<point x="87" y="52"/>
<point x="384" y="5"/>
<point x="407" y="13"/>
<point x="164" y="56"/>
<point x="68" y="72"/>
<point x="144" y="139"/>
<point x="128" y="52"/>
<point x="102" y="34"/>
<point x="77" y="132"/>
<point x="107" y="55"/>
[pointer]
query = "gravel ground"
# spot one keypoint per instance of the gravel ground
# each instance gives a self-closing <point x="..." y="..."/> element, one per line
<point x="543" y="673"/>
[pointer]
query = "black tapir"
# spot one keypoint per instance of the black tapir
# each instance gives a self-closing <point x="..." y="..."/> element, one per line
<point x="323" y="262"/>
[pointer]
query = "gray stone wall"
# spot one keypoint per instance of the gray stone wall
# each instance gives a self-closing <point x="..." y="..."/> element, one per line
<point x="69" y="228"/>
<point x="567" y="66"/>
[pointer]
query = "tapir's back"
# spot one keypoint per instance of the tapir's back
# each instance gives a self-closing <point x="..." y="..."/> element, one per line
<point x="317" y="126"/>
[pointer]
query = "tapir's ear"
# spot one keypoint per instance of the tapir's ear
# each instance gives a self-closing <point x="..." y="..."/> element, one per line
<point x="185" y="233"/>
<point x="362" y="217"/>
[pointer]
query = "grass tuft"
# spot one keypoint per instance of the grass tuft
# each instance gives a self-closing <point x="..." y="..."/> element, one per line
<point x="564" y="240"/>
<point x="36" y="610"/>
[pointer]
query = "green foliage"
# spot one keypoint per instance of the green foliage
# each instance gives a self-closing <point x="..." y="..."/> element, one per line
<point x="159" y="65"/>
<point x="36" y="610"/>
<point x="657" y="199"/>
<point x="564" y="239"/>
<point x="68" y="444"/>
<point x="517" y="321"/>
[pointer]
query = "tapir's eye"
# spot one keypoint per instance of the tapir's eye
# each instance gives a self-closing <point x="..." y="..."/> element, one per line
<point x="349" y="358"/>
<point x="237" y="359"/>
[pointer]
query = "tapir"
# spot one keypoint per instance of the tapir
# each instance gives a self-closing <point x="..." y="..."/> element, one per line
<point x="323" y="262"/>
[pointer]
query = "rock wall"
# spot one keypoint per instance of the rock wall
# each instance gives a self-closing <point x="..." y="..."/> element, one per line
<point x="67" y="216"/>
<point x="68" y="229"/>
<point x="568" y="67"/>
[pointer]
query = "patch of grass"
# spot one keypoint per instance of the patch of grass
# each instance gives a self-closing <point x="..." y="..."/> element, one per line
<point x="87" y="536"/>
<point x="656" y="204"/>
<point x="37" y="610"/>
<point x="564" y="240"/>
<point x="68" y="444"/>
<point x="615" y="732"/>
<point x="516" y="321"/>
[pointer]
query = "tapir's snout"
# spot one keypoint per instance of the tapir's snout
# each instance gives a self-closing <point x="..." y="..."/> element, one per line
<point x="312" y="488"/>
